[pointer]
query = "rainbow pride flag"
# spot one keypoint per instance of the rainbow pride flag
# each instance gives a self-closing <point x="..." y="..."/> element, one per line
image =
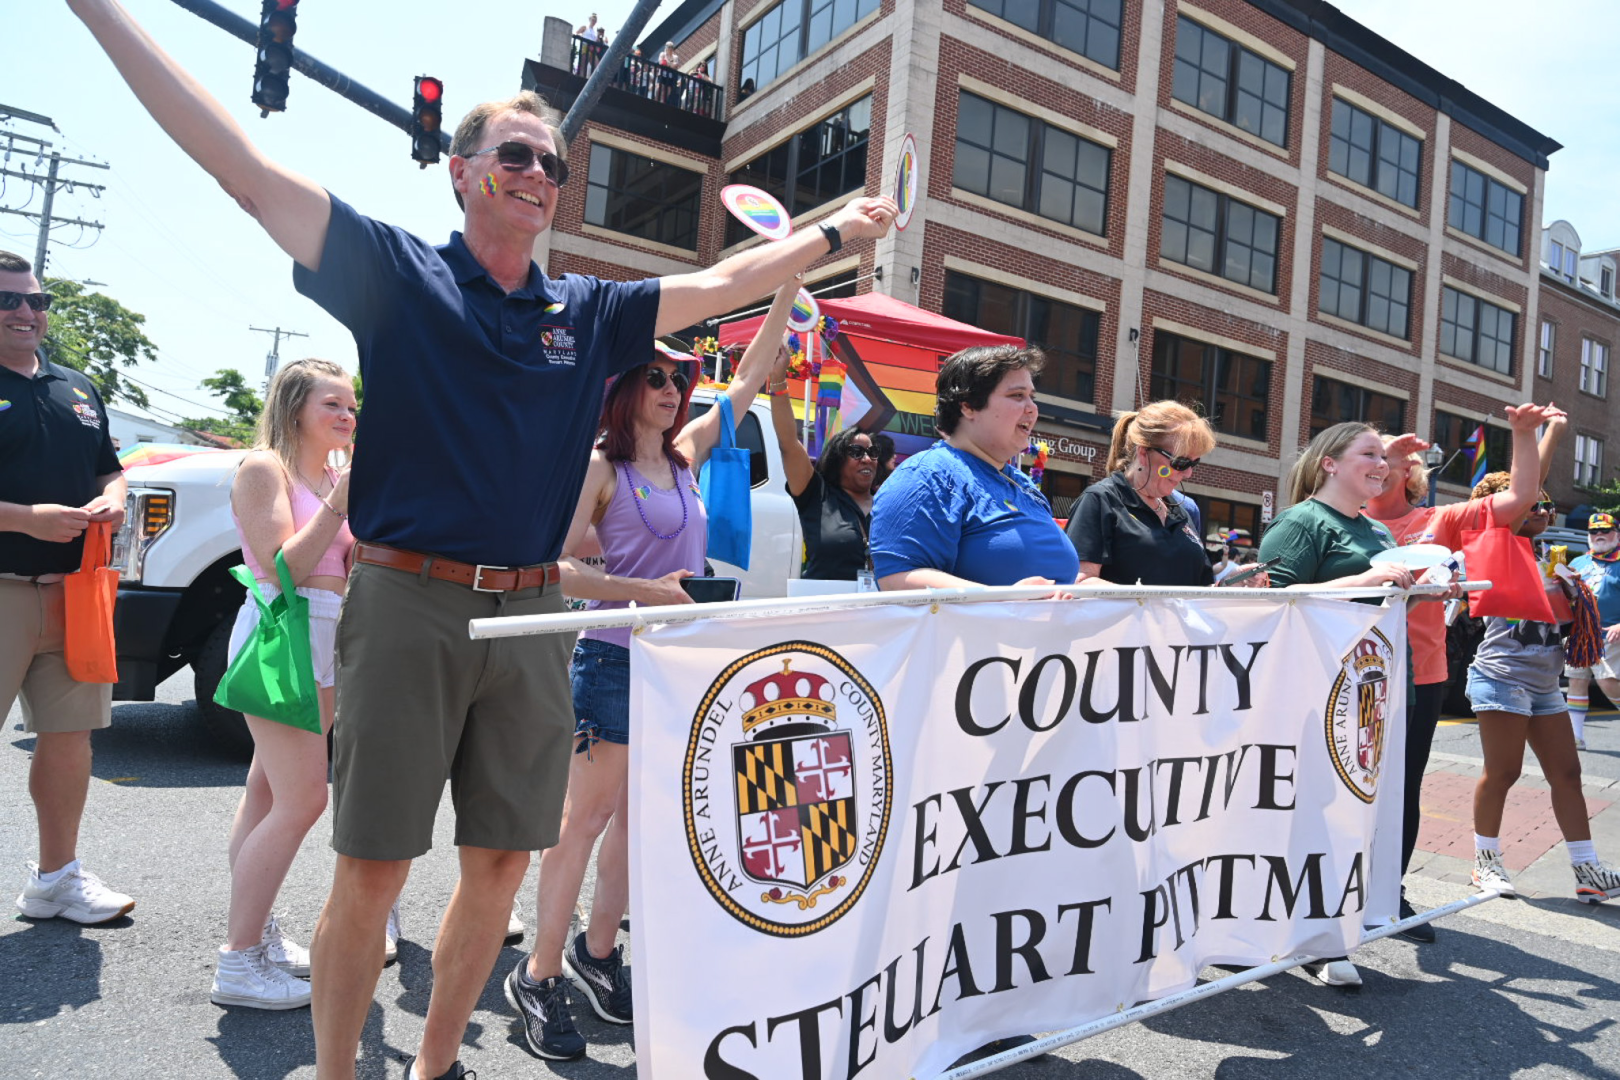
<point x="830" y="388"/>
<point x="1476" y="454"/>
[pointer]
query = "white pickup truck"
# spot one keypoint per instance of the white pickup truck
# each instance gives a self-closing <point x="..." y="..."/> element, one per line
<point x="176" y="599"/>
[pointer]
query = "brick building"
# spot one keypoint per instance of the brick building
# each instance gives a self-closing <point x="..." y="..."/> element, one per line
<point x="1258" y="205"/>
<point x="1579" y="326"/>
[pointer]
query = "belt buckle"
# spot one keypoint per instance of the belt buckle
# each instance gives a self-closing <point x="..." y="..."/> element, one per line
<point x="478" y="577"/>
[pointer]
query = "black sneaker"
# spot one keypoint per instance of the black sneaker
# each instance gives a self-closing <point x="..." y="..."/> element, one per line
<point x="543" y="1008"/>
<point x="1422" y="933"/>
<point x="605" y="983"/>
<point x="457" y="1071"/>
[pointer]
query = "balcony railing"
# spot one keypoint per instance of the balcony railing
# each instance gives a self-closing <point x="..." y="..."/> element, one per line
<point x="649" y="79"/>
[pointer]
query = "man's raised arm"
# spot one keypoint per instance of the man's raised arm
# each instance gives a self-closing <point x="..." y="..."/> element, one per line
<point x="293" y="209"/>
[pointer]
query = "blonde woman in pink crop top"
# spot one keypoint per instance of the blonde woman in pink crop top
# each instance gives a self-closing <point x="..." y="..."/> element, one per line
<point x="286" y="497"/>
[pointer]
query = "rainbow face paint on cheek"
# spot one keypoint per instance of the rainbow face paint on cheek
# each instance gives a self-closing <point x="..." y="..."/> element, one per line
<point x="489" y="185"/>
<point x="1165" y="472"/>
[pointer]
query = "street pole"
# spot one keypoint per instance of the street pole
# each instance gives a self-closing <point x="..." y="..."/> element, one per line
<point x="272" y="359"/>
<point x="45" y="216"/>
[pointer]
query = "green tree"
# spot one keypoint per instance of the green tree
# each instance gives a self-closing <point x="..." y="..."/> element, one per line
<point x="1605" y="497"/>
<point x="244" y="404"/>
<point x="97" y="335"/>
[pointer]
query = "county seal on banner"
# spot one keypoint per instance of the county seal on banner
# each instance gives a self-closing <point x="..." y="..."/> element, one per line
<point x="863" y="845"/>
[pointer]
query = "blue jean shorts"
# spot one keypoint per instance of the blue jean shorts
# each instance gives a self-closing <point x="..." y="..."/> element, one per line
<point x="599" y="676"/>
<point x="1486" y="694"/>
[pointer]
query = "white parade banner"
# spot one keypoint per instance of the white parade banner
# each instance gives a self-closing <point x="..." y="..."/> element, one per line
<point x="864" y="844"/>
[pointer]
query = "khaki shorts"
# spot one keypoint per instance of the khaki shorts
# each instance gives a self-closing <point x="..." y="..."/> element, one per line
<point x="1607" y="667"/>
<point x="31" y="664"/>
<point x="419" y="702"/>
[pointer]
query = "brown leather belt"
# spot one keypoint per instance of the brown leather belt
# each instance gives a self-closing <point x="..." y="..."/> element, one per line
<point x="480" y="577"/>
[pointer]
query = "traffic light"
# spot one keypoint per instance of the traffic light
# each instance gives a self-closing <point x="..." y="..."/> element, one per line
<point x="278" y="21"/>
<point x="426" y="120"/>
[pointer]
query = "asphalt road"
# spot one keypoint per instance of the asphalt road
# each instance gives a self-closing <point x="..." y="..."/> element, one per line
<point x="1512" y="988"/>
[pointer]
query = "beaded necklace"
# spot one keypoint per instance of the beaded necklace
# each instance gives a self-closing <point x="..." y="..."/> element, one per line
<point x="637" y="497"/>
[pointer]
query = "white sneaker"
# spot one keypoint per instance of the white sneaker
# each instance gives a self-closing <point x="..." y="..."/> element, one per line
<point x="77" y="894"/>
<point x="514" y="929"/>
<point x="1580" y="743"/>
<point x="247" y="977"/>
<point x="283" y="951"/>
<point x="1596" y="882"/>
<point x="1339" y="972"/>
<point x="391" y="936"/>
<point x="1491" y="873"/>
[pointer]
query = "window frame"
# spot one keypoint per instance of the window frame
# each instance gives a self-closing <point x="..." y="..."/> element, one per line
<point x="1364" y="288"/>
<point x="1488" y="184"/>
<point x="1034" y="165"/>
<point x="1046" y="22"/>
<point x="1024" y="304"/>
<point x="1164" y="382"/>
<point x="1236" y="52"/>
<point x="1546" y="347"/>
<point x="1594" y="362"/>
<point x="1498" y="445"/>
<point x="1223" y="216"/>
<point x="1476" y="328"/>
<point x="694" y="201"/>
<point x="806" y="13"/>
<point x="786" y="189"/>
<point x="1375" y="153"/>
<point x="1588" y="461"/>
<point x="1363" y="407"/>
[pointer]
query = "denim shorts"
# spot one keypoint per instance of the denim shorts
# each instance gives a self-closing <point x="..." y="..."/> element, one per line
<point x="1486" y="694"/>
<point x="600" y="678"/>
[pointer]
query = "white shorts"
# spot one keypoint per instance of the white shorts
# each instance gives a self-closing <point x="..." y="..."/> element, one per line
<point x="1607" y="667"/>
<point x="323" y="616"/>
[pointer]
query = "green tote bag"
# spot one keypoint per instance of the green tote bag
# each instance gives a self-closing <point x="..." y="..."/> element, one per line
<point x="274" y="674"/>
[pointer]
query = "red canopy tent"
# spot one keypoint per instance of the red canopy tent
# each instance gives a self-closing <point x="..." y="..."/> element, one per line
<point x="893" y="351"/>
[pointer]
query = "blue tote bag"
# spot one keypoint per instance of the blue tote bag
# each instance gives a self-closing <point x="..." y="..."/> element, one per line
<point x="724" y="480"/>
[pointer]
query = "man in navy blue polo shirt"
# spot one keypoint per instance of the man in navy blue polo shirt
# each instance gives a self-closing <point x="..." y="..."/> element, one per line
<point x="58" y="473"/>
<point x="483" y="382"/>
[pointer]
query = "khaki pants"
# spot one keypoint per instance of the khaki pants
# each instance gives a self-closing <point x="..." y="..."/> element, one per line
<point x="32" y="667"/>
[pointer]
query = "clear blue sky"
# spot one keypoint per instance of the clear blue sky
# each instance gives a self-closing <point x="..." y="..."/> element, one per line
<point x="178" y="250"/>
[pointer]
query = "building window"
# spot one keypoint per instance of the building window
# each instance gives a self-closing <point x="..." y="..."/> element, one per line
<point x="1230" y="388"/>
<point x="1221" y="515"/>
<point x="1088" y="27"/>
<point x="1451" y="431"/>
<point x="1485" y="209"/>
<point x="1606" y="283"/>
<point x="1218" y="234"/>
<point x="643" y="197"/>
<point x="1588" y="461"/>
<point x="1334" y="402"/>
<point x="1555" y="256"/>
<point x="1476" y="330"/>
<point x="1570" y="257"/>
<point x="1229" y="82"/>
<point x="997" y="149"/>
<point x="1365" y="289"/>
<point x="820" y="163"/>
<point x="1594" y="368"/>
<point x="1067" y="334"/>
<point x="1063" y="490"/>
<point x="1374" y="153"/>
<point x="789" y="32"/>
<point x="1544" y="352"/>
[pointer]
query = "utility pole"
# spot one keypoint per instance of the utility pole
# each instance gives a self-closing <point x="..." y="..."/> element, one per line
<point x="52" y="182"/>
<point x="273" y="360"/>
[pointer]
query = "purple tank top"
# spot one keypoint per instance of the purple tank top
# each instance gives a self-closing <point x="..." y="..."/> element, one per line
<point x="642" y="536"/>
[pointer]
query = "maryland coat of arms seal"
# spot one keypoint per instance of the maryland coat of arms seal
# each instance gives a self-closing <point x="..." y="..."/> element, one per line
<point x="1357" y="714"/>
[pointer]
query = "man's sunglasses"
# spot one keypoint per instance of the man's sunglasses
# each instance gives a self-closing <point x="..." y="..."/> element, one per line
<point x="519" y="156"/>
<point x="657" y="378"/>
<point x="11" y="301"/>
<point x="1179" y="464"/>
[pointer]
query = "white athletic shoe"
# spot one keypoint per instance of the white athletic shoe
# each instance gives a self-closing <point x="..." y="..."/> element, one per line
<point x="283" y="951"/>
<point x="514" y="929"/>
<point x="247" y="977"/>
<point x="78" y="895"/>
<point x="391" y="936"/>
<point x="1596" y="882"/>
<point x="1341" y="973"/>
<point x="1580" y="743"/>
<point x="1491" y="873"/>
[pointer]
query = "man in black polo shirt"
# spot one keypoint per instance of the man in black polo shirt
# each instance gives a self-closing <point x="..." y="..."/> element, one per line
<point x="484" y="381"/>
<point x="58" y="473"/>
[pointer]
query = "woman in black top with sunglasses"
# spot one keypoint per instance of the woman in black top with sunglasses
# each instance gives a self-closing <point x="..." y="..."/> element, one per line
<point x="1126" y="528"/>
<point x="834" y="495"/>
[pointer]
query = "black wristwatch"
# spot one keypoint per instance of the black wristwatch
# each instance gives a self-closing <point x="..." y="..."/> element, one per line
<point x="834" y="239"/>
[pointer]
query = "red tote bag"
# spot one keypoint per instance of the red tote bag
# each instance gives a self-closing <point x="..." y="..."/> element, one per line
<point x="1493" y="553"/>
<point x="88" y="598"/>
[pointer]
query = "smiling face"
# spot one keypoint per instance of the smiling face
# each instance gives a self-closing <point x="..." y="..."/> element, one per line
<point x="1003" y="427"/>
<point x="22" y="330"/>
<point x="327" y="417"/>
<point x="1360" y="471"/>
<point x="519" y="200"/>
<point x="859" y="473"/>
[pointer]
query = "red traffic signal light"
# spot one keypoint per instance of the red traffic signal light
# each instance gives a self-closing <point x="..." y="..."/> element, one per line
<point x="278" y="22"/>
<point x="426" y="120"/>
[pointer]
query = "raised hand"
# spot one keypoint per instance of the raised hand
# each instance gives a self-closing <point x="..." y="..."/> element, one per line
<point x="865" y="218"/>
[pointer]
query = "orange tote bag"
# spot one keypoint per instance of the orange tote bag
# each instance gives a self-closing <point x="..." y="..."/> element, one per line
<point x="89" y="595"/>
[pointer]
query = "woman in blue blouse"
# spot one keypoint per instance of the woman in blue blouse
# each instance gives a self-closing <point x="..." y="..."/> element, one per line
<point x="958" y="513"/>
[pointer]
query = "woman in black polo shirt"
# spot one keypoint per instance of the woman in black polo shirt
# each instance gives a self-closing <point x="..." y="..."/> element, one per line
<point x="1126" y="528"/>
<point x="833" y="496"/>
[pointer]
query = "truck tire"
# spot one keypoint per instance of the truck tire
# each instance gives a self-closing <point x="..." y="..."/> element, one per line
<point x="207" y="668"/>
